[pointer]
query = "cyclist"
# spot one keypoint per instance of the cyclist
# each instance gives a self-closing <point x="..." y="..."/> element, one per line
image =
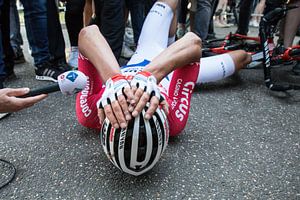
<point x="161" y="71"/>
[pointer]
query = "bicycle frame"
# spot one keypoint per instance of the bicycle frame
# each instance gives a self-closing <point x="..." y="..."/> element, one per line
<point x="267" y="25"/>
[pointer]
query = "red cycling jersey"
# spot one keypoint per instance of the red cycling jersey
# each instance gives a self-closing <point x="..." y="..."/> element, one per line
<point x="177" y="89"/>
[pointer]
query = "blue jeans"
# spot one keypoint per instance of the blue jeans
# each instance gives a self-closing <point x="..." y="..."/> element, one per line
<point x="35" y="13"/>
<point x="15" y="35"/>
<point x="202" y="18"/>
<point x="2" y="69"/>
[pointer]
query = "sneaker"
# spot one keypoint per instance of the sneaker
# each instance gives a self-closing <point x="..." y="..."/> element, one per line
<point x="3" y="115"/>
<point x="219" y="24"/>
<point x="296" y="68"/>
<point x="46" y="72"/>
<point x="126" y="52"/>
<point x="73" y="58"/>
<point x="255" y="24"/>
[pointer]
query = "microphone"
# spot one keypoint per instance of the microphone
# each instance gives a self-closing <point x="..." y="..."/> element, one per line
<point x="68" y="83"/>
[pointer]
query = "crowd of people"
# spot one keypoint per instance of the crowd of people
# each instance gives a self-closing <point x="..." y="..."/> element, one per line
<point x="47" y="45"/>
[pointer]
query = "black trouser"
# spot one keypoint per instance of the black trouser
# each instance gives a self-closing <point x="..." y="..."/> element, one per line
<point x="137" y="12"/>
<point x="244" y="16"/>
<point x="214" y="4"/>
<point x="110" y="19"/>
<point x="5" y="27"/>
<point x="55" y="34"/>
<point x="74" y="19"/>
<point x="182" y="11"/>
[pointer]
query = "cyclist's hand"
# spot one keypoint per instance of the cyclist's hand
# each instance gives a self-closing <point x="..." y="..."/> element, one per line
<point x="113" y="103"/>
<point x="145" y="89"/>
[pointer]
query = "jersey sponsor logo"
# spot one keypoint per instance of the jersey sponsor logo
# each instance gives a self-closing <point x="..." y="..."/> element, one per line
<point x="85" y="109"/>
<point x="183" y="99"/>
<point x="161" y="5"/>
<point x="72" y="76"/>
<point x="224" y="69"/>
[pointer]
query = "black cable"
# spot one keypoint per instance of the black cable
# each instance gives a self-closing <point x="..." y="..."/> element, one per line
<point x="13" y="173"/>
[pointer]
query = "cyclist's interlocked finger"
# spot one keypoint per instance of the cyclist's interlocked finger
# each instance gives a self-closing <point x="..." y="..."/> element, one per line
<point x="147" y="90"/>
<point x="113" y="101"/>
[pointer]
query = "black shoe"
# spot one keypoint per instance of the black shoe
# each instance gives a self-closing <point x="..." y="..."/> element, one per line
<point x="63" y="65"/>
<point x="9" y="70"/>
<point x="46" y="72"/>
<point x="296" y="69"/>
<point x="279" y="50"/>
<point x="19" y="56"/>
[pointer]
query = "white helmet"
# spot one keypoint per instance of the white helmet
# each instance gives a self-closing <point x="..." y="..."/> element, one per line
<point x="137" y="148"/>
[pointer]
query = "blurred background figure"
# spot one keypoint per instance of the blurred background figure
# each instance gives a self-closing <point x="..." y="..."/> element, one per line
<point x="258" y="11"/>
<point x="220" y="17"/>
<point x="16" y="39"/>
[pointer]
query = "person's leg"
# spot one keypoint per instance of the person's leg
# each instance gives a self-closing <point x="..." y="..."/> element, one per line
<point x="7" y="49"/>
<point x="202" y="18"/>
<point x="15" y="33"/>
<point x="244" y="16"/>
<point x="152" y="42"/>
<point x="182" y="14"/>
<point x="55" y="36"/>
<point x="74" y="19"/>
<point x="216" y="68"/>
<point x="183" y="81"/>
<point x="2" y="67"/>
<point x="88" y="12"/>
<point x="137" y="16"/>
<point x="35" y="13"/>
<point x="113" y="24"/>
<point x="74" y="23"/>
<point x="292" y="22"/>
<point x="86" y="110"/>
<point x="291" y="25"/>
<point x="211" y="33"/>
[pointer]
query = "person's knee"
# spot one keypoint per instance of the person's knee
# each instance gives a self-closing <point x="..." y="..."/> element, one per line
<point x="88" y="31"/>
<point x="171" y="3"/>
<point x="194" y="43"/>
<point x="194" y="39"/>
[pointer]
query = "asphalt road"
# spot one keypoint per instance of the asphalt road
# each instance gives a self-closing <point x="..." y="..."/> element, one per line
<point x="241" y="142"/>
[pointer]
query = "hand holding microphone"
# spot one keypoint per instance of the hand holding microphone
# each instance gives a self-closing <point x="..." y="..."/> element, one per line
<point x="68" y="83"/>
